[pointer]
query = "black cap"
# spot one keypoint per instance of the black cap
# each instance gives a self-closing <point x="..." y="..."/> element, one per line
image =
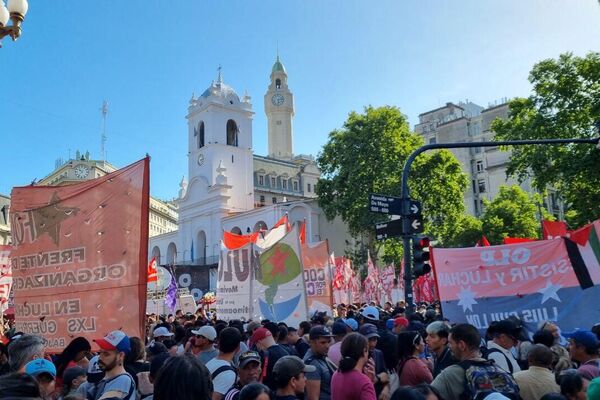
<point x="508" y="327"/>
<point x="248" y="356"/>
<point x="319" y="331"/>
<point x="339" y="328"/>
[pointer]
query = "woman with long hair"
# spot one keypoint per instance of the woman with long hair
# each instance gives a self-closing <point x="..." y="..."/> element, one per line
<point x="355" y="378"/>
<point x="74" y="355"/>
<point x="411" y="369"/>
<point x="183" y="378"/>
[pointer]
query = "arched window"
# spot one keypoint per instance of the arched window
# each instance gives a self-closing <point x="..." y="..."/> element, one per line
<point x="236" y="230"/>
<point x="156" y="254"/>
<point x="201" y="254"/>
<point x="277" y="83"/>
<point x="232" y="133"/>
<point x="171" y="254"/>
<point x="260" y="226"/>
<point x="201" y="135"/>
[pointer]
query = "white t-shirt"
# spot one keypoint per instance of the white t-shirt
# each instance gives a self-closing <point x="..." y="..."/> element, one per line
<point x="225" y="380"/>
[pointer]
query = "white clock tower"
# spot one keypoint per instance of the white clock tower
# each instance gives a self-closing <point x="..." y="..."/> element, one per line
<point x="279" y="107"/>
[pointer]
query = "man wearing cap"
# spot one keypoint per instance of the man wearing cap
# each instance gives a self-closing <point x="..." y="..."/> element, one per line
<point x="289" y="377"/>
<point x="400" y="324"/>
<point x="204" y="342"/>
<point x="318" y="383"/>
<point x="382" y="378"/>
<point x="351" y="323"/>
<point x="161" y="334"/>
<point x="248" y="372"/>
<point x="505" y="336"/>
<point x="44" y="372"/>
<point x="117" y="383"/>
<point x="370" y="315"/>
<point x="339" y="331"/>
<point x="262" y="338"/>
<point x="583" y="348"/>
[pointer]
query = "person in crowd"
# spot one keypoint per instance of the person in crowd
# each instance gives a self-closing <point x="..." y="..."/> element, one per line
<point x="222" y="371"/>
<point x="538" y="379"/>
<point x="155" y="366"/>
<point x="407" y="393"/>
<point x="117" y="383"/>
<point x="318" y="383"/>
<point x="262" y="338"/>
<point x="356" y="374"/>
<point x="93" y="376"/>
<point x="251" y="327"/>
<point x="44" y="372"/>
<point x="560" y="355"/>
<point x="155" y="349"/>
<point x="437" y="341"/>
<point x="18" y="386"/>
<point x="572" y="385"/>
<point x="553" y="396"/>
<point x="255" y="391"/>
<point x="161" y="334"/>
<point x="303" y="330"/>
<point x="563" y="360"/>
<point x="505" y="336"/>
<point x="370" y="315"/>
<point x="339" y="331"/>
<point x="294" y="340"/>
<point x="400" y="323"/>
<point x="593" y="391"/>
<point x="464" y="341"/>
<point x="341" y="310"/>
<point x="428" y="391"/>
<point x="290" y="380"/>
<point x="248" y="372"/>
<point x="183" y="378"/>
<point x="382" y="378"/>
<point x="351" y="323"/>
<point x="24" y="349"/>
<point x="4" y="368"/>
<point x="172" y="347"/>
<point x="282" y="340"/>
<point x="583" y="349"/>
<point x="411" y="369"/>
<point x="204" y="340"/>
<point x="73" y="377"/>
<point x="137" y="367"/>
<point x="75" y="354"/>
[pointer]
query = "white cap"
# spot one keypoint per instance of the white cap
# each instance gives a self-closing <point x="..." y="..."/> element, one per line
<point x="207" y="331"/>
<point x="161" y="331"/>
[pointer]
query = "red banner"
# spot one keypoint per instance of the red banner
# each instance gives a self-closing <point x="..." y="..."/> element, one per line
<point x="554" y="229"/>
<point x="5" y="278"/>
<point x="80" y="256"/>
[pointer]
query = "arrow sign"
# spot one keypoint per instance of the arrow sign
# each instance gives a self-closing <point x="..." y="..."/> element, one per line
<point x="388" y="229"/>
<point x="415" y="207"/>
<point x="383" y="204"/>
<point x="413" y="224"/>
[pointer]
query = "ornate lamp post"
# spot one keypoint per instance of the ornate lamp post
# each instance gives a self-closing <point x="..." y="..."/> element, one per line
<point x="16" y="13"/>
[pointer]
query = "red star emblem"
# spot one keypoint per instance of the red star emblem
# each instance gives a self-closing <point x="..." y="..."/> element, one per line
<point x="278" y="262"/>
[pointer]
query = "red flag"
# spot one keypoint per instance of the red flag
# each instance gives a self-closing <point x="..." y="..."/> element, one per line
<point x="554" y="229"/>
<point x="233" y="241"/>
<point x="483" y="242"/>
<point x="282" y="220"/>
<point x="152" y="274"/>
<point x="303" y="232"/>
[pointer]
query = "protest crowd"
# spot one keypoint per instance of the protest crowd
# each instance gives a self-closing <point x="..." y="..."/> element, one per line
<point x="361" y="352"/>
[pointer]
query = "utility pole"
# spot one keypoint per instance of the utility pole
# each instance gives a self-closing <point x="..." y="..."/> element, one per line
<point x="405" y="198"/>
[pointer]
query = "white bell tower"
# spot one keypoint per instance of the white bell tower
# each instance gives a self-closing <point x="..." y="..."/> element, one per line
<point x="279" y="107"/>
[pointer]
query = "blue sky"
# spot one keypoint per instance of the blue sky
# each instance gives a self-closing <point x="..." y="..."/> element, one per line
<point x="146" y="58"/>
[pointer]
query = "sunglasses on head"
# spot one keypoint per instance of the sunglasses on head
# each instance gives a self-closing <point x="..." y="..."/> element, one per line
<point x="416" y="339"/>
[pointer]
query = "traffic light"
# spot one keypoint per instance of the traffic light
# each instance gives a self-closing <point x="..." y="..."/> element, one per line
<point x="421" y="256"/>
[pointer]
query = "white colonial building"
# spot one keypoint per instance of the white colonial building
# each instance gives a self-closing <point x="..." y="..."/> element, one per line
<point x="229" y="188"/>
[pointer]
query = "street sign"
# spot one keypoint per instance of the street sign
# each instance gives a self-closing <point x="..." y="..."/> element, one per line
<point x="388" y="229"/>
<point x="413" y="224"/>
<point x="380" y="203"/>
<point x="414" y="207"/>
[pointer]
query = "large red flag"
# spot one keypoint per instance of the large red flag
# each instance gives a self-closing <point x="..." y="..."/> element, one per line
<point x="554" y="229"/>
<point x="80" y="256"/>
<point x="152" y="273"/>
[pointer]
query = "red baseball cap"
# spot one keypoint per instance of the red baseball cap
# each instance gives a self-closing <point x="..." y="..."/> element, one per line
<point x="260" y="334"/>
<point x="403" y="322"/>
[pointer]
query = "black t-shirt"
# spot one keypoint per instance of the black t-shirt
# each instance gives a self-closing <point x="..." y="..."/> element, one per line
<point x="301" y="347"/>
<point x="135" y="367"/>
<point x="270" y="357"/>
<point x="442" y="362"/>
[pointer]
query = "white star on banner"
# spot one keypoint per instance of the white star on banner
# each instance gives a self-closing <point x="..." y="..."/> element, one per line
<point x="466" y="298"/>
<point x="550" y="292"/>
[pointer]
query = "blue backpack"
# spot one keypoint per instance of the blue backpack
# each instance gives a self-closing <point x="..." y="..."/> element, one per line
<point x="485" y="377"/>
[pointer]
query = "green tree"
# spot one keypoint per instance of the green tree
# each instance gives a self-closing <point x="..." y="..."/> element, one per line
<point x="366" y="156"/>
<point x="513" y="213"/>
<point x="469" y="231"/>
<point x="565" y="103"/>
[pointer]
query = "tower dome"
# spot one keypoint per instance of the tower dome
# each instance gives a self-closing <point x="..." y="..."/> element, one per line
<point x="220" y="90"/>
<point x="278" y="66"/>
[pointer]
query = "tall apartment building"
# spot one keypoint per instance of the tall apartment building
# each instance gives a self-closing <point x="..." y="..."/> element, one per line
<point x="485" y="166"/>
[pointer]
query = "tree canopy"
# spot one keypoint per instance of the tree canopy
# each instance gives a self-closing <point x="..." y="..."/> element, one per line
<point x="565" y="104"/>
<point x="367" y="156"/>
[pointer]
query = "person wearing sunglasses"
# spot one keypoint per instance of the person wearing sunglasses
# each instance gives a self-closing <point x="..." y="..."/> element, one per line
<point x="411" y="369"/>
<point x="204" y="341"/>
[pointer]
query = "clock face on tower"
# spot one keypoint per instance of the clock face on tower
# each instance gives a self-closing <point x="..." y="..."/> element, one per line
<point x="81" y="171"/>
<point x="277" y="99"/>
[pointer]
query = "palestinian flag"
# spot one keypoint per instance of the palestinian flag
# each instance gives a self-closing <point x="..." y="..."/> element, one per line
<point x="587" y="240"/>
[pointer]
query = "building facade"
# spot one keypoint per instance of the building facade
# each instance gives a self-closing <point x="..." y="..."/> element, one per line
<point x="4" y="219"/>
<point x="230" y="188"/>
<point x="485" y="166"/>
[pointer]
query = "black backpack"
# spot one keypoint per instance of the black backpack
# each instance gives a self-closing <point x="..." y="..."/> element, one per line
<point x="485" y="377"/>
<point x="485" y="353"/>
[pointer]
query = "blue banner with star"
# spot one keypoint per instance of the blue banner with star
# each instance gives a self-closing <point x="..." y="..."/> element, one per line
<point x="533" y="281"/>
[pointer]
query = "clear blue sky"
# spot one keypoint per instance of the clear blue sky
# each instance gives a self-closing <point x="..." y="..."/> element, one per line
<point x="147" y="57"/>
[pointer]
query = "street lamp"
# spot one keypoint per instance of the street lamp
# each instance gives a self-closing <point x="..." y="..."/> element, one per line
<point x="16" y="12"/>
